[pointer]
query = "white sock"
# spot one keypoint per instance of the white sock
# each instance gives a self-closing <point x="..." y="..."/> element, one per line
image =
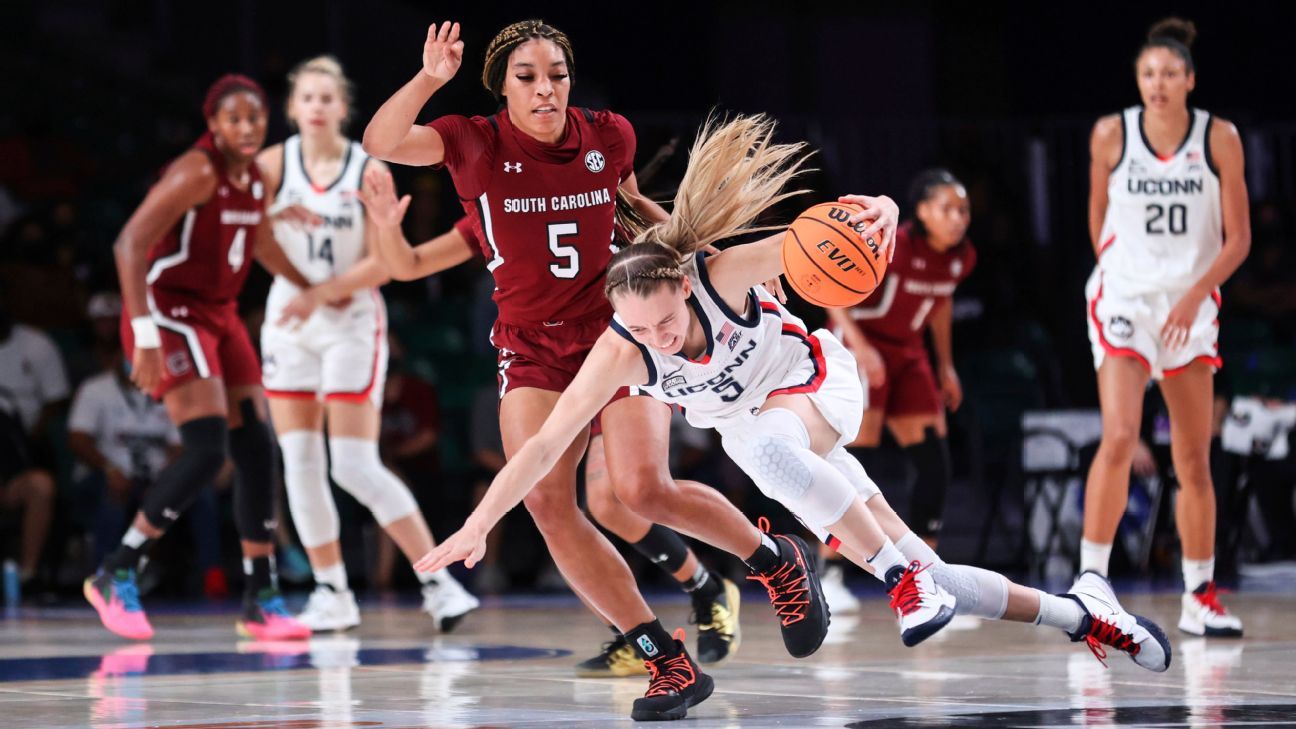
<point x="886" y="558"/>
<point x="1094" y="557"/>
<point x="1197" y="572"/>
<point x="335" y="576"/>
<point x="439" y="577"/>
<point x="134" y="538"/>
<point x="1059" y="612"/>
<point x="914" y="548"/>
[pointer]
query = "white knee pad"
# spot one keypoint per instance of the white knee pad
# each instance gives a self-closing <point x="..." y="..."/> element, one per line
<point x="849" y="466"/>
<point x="306" y="481"/>
<point x="357" y="468"/>
<point x="980" y="593"/>
<point x="775" y="453"/>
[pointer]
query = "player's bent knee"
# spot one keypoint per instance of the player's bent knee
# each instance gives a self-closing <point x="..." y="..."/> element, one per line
<point x="357" y="468"/>
<point x="646" y="491"/>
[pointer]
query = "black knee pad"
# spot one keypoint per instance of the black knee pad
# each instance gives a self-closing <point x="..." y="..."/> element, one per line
<point x="252" y="448"/>
<point x="931" y="460"/>
<point x="664" y="548"/>
<point x="204" y="445"/>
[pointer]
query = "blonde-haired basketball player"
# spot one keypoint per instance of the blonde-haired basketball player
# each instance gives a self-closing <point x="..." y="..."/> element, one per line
<point x="785" y="402"/>
<point x="1169" y="222"/>
<point x="332" y="365"/>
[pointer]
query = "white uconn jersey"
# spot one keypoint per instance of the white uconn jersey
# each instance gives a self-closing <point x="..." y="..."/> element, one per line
<point x="1163" y="227"/>
<point x="747" y="359"/>
<point x="337" y="243"/>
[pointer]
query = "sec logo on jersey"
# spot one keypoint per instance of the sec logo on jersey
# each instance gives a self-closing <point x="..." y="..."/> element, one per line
<point x="594" y="161"/>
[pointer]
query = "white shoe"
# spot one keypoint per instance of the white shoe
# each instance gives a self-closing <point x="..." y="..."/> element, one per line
<point x="1107" y="623"/>
<point x="922" y="606"/>
<point x="447" y="602"/>
<point x="1204" y="615"/>
<point x="328" y="609"/>
<point x="840" y="599"/>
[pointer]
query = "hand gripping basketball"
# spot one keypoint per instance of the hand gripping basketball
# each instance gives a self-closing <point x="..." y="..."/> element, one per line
<point x="834" y="256"/>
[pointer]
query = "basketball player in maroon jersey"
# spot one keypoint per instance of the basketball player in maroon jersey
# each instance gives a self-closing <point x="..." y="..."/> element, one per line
<point x="542" y="178"/>
<point x="885" y="332"/>
<point x="182" y="259"/>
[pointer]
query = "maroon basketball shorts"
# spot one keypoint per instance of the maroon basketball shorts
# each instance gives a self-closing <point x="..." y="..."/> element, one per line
<point x="910" y="386"/>
<point x="199" y="340"/>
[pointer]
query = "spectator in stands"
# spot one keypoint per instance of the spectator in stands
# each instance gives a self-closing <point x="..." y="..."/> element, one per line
<point x="33" y="391"/>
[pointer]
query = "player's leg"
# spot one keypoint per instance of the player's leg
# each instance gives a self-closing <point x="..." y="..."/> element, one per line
<point x="1189" y="395"/>
<point x="715" y="599"/>
<point x="1121" y="382"/>
<point x="591" y="564"/>
<point x="636" y="433"/>
<point x="781" y="452"/>
<point x="356" y="466"/>
<point x="1082" y="613"/>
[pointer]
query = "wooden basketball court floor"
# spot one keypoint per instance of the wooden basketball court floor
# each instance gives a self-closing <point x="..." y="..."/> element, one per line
<point x="510" y="665"/>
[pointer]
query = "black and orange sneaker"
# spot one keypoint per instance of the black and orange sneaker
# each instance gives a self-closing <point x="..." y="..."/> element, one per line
<point x="676" y="684"/>
<point x="795" y="592"/>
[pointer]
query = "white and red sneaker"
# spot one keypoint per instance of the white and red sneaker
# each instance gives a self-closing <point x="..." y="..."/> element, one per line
<point x="922" y="606"/>
<point x="1204" y="615"/>
<point x="1106" y="623"/>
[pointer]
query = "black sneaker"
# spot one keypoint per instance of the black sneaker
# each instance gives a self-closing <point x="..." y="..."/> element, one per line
<point x="677" y="683"/>
<point x="617" y="660"/>
<point x="798" y="599"/>
<point x="717" y="619"/>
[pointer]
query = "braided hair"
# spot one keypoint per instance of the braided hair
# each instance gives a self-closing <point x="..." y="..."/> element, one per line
<point x="507" y="40"/>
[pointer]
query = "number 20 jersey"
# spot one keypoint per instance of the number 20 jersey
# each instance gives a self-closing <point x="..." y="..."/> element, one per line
<point x="1163" y="227"/>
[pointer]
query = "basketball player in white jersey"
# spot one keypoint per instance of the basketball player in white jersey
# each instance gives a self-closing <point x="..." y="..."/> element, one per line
<point x="701" y="332"/>
<point x="331" y="363"/>
<point x="1169" y="221"/>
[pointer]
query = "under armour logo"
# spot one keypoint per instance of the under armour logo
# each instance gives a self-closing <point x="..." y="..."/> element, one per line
<point x="180" y="312"/>
<point x="224" y="191"/>
<point x="170" y="514"/>
<point x="513" y="167"/>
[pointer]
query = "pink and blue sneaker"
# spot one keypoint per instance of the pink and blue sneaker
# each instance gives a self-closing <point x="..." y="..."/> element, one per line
<point x="115" y="596"/>
<point x="267" y="618"/>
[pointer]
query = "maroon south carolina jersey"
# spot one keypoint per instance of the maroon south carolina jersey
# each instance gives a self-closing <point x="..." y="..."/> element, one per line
<point x="207" y="255"/>
<point x="543" y="212"/>
<point x="916" y="280"/>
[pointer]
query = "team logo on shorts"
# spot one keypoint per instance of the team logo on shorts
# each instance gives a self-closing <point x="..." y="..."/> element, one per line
<point x="594" y="161"/>
<point x="1120" y="327"/>
<point x="177" y="363"/>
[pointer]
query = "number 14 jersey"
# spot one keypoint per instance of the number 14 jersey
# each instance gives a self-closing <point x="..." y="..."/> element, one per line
<point x="1163" y="227"/>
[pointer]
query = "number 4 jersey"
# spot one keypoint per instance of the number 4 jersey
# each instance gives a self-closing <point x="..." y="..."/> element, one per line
<point x="543" y="212"/>
<point x="1163" y="227"/>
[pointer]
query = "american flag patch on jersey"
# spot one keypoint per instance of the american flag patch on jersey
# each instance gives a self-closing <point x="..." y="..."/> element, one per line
<point x="729" y="336"/>
<point x="725" y="331"/>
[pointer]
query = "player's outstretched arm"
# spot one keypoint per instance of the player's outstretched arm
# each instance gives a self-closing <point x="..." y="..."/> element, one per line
<point x="612" y="363"/>
<point x="392" y="134"/>
<point x="402" y="261"/>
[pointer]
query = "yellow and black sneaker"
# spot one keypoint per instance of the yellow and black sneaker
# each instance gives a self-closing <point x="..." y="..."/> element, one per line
<point x="717" y="623"/>
<point x="617" y="660"/>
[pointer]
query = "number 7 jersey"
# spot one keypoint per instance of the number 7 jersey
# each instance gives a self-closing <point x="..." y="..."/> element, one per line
<point x="543" y="212"/>
<point x="1163" y="227"/>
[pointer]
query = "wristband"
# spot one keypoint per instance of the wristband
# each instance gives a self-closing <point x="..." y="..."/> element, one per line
<point x="146" y="332"/>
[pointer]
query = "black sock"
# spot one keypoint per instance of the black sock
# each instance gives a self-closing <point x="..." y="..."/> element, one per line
<point x="766" y="556"/>
<point x="651" y="641"/>
<point x="703" y="587"/>
<point x="260" y="575"/>
<point x="125" y="557"/>
<point x="931" y="460"/>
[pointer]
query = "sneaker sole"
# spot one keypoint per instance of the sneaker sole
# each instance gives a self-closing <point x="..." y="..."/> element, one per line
<point x="1159" y="635"/>
<point x="917" y="635"/>
<point x="705" y="687"/>
<point x="1189" y="628"/>
<point x="813" y="571"/>
<point x="450" y="622"/>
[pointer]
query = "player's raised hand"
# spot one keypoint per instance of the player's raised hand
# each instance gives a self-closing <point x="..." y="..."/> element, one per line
<point x="442" y="51"/>
<point x="378" y="195"/>
<point x="885" y="215"/>
<point x="467" y="545"/>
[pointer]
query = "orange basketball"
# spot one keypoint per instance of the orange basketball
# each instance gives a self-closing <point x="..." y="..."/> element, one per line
<point x="826" y="261"/>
